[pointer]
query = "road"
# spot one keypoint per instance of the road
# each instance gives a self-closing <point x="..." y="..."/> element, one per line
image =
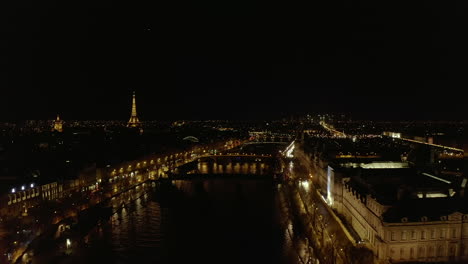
<point x="325" y="228"/>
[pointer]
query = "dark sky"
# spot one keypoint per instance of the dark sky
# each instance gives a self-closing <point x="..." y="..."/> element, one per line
<point x="232" y="59"/>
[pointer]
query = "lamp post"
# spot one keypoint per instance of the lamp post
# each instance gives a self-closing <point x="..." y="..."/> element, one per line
<point x="315" y="211"/>
<point x="332" y="245"/>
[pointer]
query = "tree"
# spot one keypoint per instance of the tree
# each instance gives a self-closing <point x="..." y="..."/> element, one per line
<point x="322" y="224"/>
<point x="361" y="255"/>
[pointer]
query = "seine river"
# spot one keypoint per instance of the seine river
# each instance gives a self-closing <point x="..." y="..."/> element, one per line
<point x="237" y="220"/>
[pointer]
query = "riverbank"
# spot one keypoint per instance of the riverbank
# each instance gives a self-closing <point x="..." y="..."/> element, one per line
<point x="76" y="229"/>
<point x="325" y="234"/>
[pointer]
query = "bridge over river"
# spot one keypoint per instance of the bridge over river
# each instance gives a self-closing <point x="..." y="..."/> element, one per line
<point x="196" y="215"/>
<point x="251" y="160"/>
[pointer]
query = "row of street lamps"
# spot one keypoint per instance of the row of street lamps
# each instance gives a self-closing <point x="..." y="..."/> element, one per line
<point x="23" y="187"/>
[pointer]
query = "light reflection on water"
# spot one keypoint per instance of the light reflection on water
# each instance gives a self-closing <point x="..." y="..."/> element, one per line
<point x="255" y="168"/>
<point x="206" y="221"/>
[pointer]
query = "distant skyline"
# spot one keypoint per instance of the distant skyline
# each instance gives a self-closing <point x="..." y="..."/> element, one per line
<point x="242" y="60"/>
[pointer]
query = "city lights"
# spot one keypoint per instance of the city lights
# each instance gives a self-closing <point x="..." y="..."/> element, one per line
<point x="305" y="185"/>
<point x="320" y="173"/>
<point x="289" y="150"/>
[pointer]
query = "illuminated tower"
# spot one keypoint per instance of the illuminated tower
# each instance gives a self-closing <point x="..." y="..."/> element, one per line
<point x="58" y="124"/>
<point x="133" y="122"/>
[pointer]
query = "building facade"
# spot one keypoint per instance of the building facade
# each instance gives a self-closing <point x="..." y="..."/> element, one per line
<point x="417" y="237"/>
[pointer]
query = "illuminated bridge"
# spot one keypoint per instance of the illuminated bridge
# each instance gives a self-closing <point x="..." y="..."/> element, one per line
<point x="455" y="150"/>
<point x="252" y="155"/>
<point x="332" y="130"/>
<point x="436" y="150"/>
<point x="232" y="164"/>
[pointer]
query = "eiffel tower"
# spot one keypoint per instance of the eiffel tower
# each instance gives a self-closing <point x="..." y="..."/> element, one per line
<point x="133" y="122"/>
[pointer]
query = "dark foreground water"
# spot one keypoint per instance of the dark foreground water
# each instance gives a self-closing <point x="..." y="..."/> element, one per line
<point x="202" y="221"/>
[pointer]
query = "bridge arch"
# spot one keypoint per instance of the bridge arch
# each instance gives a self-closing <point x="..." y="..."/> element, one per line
<point x="191" y="138"/>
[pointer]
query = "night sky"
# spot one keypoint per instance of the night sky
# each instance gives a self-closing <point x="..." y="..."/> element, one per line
<point x="232" y="59"/>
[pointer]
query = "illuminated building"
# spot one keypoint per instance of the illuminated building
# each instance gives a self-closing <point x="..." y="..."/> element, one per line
<point x="134" y="121"/>
<point x="392" y="134"/>
<point x="402" y="211"/>
<point x="58" y="124"/>
<point x="401" y="215"/>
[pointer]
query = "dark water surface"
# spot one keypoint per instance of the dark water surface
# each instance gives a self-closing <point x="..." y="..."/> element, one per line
<point x="198" y="221"/>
